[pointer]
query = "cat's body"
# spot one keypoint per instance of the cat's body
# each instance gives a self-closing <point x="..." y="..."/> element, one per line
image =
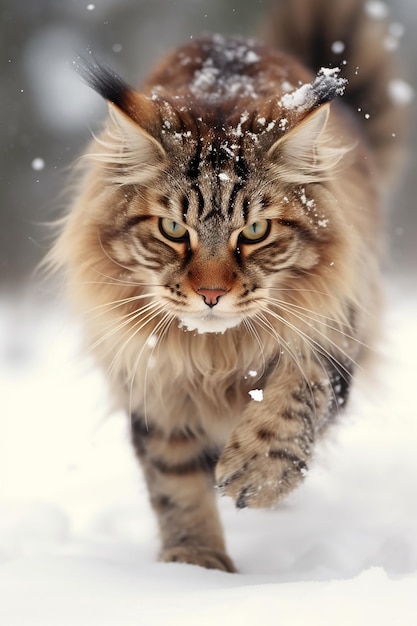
<point x="227" y="238"/>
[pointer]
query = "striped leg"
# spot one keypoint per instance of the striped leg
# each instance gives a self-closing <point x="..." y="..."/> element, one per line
<point x="268" y="453"/>
<point x="178" y="468"/>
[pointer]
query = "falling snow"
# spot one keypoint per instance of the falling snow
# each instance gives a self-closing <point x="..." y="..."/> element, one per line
<point x="400" y="91"/>
<point x="38" y="164"/>
<point x="256" y="394"/>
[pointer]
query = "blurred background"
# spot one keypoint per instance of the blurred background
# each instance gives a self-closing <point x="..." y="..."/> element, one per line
<point x="47" y="114"/>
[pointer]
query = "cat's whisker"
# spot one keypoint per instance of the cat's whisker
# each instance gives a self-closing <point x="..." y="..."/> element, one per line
<point x="106" y="307"/>
<point x="313" y="341"/>
<point x="328" y="295"/>
<point x="304" y="375"/>
<point x="149" y="343"/>
<point x="114" y="282"/>
<point x="116" y="326"/>
<point x="251" y="330"/>
<point x="162" y="327"/>
<point x="319" y="350"/>
<point x="141" y="321"/>
<point x="283" y="343"/>
<point x="303" y="314"/>
<point x="287" y="348"/>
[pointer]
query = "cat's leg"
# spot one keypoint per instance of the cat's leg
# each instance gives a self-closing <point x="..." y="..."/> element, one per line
<point x="268" y="453"/>
<point x="178" y="468"/>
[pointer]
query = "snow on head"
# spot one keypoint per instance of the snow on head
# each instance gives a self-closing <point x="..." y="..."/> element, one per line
<point x="224" y="70"/>
<point x="299" y="98"/>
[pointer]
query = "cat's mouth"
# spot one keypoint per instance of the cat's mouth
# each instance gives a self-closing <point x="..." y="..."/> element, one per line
<point x="209" y="322"/>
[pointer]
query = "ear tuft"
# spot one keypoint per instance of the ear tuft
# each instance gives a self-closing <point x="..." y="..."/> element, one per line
<point x="134" y="105"/>
<point x="103" y="80"/>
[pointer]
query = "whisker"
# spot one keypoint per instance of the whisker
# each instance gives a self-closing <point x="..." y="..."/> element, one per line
<point x="127" y="319"/>
<point x="327" y="294"/>
<point x="163" y="324"/>
<point x="311" y="340"/>
<point x="317" y="349"/>
<point x="288" y="307"/>
<point x="251" y="330"/>
<point x="304" y="375"/>
<point x="281" y="341"/>
<point x="131" y="332"/>
<point x="106" y="307"/>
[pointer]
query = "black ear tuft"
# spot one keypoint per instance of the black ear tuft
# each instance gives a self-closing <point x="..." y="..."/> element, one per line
<point x="103" y="80"/>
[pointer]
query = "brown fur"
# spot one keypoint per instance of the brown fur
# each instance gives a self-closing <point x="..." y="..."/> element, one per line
<point x="222" y="141"/>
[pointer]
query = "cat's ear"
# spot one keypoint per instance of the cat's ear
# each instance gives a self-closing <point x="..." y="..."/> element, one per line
<point x="307" y="153"/>
<point x="135" y="118"/>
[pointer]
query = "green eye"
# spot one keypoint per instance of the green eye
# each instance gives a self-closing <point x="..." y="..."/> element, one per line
<point x="172" y="230"/>
<point x="255" y="232"/>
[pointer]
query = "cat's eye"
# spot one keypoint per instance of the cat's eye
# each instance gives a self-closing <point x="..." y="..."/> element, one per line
<point x="173" y="230"/>
<point x="255" y="232"/>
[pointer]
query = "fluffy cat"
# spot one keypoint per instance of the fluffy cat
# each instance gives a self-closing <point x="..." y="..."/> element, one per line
<point x="224" y="251"/>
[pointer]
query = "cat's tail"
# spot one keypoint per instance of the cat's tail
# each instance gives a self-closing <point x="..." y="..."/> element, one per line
<point x="357" y="36"/>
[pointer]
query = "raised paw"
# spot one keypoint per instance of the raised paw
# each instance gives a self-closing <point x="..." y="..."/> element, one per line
<point x="259" y="478"/>
<point x="198" y="555"/>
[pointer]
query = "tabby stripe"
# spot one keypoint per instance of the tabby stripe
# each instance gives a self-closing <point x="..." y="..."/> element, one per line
<point x="305" y="233"/>
<point x="200" y="199"/>
<point x="135" y="220"/>
<point x="283" y="455"/>
<point x="215" y="212"/>
<point x="245" y="209"/>
<point x="194" y="164"/>
<point x="241" y="166"/>
<point x="185" y="207"/>
<point x="204" y="462"/>
<point x="232" y="200"/>
<point x="141" y="428"/>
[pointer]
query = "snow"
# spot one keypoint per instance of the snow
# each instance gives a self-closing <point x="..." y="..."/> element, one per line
<point x="256" y="394"/>
<point x="400" y="91"/>
<point x="327" y="83"/>
<point x="376" y="10"/>
<point x="78" y="539"/>
<point x="338" y="47"/>
<point x="38" y="164"/>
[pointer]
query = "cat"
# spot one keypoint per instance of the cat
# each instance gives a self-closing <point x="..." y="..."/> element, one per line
<point x="224" y="251"/>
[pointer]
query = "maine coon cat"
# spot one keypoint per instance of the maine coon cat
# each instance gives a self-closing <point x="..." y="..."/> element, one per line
<point x="224" y="251"/>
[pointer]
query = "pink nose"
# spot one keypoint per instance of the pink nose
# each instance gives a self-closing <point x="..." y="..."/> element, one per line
<point x="211" y="296"/>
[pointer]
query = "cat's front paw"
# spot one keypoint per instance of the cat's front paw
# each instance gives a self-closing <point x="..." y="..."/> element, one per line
<point x="198" y="555"/>
<point x="259" y="477"/>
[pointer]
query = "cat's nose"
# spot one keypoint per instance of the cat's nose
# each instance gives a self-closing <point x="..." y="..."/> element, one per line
<point x="211" y="296"/>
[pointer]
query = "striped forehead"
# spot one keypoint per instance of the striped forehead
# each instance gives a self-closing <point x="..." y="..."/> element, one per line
<point x="216" y="172"/>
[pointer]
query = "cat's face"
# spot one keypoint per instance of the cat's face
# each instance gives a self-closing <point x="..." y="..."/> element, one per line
<point x="214" y="244"/>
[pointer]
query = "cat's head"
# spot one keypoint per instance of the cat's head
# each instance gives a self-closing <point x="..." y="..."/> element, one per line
<point x="210" y="205"/>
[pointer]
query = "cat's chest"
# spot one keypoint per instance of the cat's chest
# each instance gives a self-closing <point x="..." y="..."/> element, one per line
<point x="196" y="379"/>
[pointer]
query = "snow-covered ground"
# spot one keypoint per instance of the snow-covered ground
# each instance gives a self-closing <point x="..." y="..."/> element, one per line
<point x="78" y="539"/>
